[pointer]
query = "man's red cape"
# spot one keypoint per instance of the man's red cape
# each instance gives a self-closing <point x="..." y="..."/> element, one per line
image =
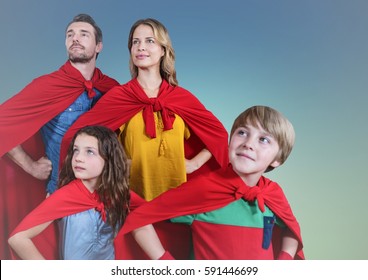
<point x="121" y="103"/>
<point x="21" y="117"/>
<point x="212" y="191"/>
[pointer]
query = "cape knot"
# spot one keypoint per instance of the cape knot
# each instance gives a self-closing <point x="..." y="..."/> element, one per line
<point x="157" y="106"/>
<point x="89" y="87"/>
<point x="101" y="208"/>
<point x="251" y="194"/>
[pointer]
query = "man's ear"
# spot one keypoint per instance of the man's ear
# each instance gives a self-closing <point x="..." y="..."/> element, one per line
<point x="99" y="47"/>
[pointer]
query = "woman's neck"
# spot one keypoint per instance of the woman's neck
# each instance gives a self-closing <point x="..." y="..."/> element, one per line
<point x="150" y="82"/>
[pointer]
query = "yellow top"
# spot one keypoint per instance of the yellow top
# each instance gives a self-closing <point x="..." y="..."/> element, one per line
<point x="157" y="164"/>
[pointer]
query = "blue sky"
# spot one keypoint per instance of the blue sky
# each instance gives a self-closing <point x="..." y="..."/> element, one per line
<point x="307" y="59"/>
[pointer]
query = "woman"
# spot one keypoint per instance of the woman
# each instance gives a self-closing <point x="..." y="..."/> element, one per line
<point x="166" y="131"/>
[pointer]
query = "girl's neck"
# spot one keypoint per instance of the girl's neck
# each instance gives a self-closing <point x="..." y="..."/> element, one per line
<point x="90" y="185"/>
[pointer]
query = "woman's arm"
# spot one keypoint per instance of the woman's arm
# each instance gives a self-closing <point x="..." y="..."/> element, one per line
<point x="196" y="162"/>
<point x="23" y="245"/>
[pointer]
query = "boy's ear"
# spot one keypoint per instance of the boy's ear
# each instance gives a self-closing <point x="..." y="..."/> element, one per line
<point x="275" y="164"/>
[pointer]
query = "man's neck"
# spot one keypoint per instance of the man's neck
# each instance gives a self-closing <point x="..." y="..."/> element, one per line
<point x="86" y="69"/>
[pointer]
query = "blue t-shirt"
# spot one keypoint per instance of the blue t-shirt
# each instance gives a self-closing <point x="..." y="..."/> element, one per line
<point x="85" y="236"/>
<point x="54" y="130"/>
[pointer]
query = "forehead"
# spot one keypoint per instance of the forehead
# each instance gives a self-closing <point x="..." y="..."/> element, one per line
<point x="79" y="26"/>
<point x="86" y="140"/>
<point x="143" y="30"/>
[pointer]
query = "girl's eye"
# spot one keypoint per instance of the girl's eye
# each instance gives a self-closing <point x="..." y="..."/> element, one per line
<point x="90" y="152"/>
<point x="135" y="42"/>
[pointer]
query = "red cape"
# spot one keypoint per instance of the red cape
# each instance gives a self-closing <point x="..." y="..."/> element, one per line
<point x="212" y="191"/>
<point x="25" y="113"/>
<point x="70" y="199"/>
<point x="121" y="103"/>
<point x="19" y="123"/>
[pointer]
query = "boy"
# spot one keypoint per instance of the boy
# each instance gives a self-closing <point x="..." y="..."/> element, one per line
<point x="236" y="213"/>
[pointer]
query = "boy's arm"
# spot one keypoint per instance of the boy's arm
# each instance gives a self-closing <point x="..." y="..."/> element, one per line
<point x="289" y="246"/>
<point x="22" y="244"/>
<point x="148" y="240"/>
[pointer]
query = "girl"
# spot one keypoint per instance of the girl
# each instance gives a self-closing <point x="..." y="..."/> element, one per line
<point x="91" y="204"/>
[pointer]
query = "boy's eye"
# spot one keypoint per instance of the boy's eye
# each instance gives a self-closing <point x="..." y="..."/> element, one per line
<point x="242" y="132"/>
<point x="264" y="140"/>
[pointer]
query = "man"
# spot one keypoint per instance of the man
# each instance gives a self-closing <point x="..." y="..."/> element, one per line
<point x="50" y="104"/>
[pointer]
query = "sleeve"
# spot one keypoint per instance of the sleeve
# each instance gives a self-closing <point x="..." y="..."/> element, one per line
<point x="187" y="219"/>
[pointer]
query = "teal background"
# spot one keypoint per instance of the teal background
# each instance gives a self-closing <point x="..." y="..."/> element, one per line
<point x="308" y="59"/>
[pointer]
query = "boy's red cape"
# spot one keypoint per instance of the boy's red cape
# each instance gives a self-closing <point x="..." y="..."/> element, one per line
<point x="212" y="191"/>
<point x="121" y="103"/>
<point x="21" y="117"/>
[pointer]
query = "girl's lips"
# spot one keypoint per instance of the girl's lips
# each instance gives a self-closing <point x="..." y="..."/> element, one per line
<point x="78" y="168"/>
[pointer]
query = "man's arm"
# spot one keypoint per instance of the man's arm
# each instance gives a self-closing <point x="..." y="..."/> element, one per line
<point x="39" y="169"/>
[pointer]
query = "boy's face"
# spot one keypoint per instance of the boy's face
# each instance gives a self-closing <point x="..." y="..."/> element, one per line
<point x="251" y="151"/>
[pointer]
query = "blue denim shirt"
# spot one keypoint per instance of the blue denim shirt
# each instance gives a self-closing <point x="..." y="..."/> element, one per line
<point x="53" y="132"/>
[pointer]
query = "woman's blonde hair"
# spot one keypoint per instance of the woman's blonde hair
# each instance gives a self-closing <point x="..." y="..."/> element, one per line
<point x="272" y="122"/>
<point x="167" y="65"/>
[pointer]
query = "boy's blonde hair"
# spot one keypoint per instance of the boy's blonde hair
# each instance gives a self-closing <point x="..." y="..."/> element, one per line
<point x="274" y="123"/>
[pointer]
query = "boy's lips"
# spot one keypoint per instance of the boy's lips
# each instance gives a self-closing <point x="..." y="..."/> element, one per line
<point x="245" y="156"/>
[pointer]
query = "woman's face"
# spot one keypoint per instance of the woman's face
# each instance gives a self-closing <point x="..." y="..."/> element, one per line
<point x="146" y="52"/>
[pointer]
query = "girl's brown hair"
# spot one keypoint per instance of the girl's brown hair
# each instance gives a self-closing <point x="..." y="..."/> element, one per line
<point x="113" y="185"/>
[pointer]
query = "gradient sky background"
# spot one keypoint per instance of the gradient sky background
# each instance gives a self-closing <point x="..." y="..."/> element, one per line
<point x="307" y="59"/>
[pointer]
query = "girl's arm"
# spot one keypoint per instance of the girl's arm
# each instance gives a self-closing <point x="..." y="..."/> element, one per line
<point x="22" y="244"/>
<point x="289" y="246"/>
<point x="147" y="238"/>
<point x="196" y="162"/>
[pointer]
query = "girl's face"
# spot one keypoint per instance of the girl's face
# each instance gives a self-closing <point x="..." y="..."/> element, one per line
<point x="87" y="163"/>
<point x="251" y="151"/>
<point x="145" y="52"/>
